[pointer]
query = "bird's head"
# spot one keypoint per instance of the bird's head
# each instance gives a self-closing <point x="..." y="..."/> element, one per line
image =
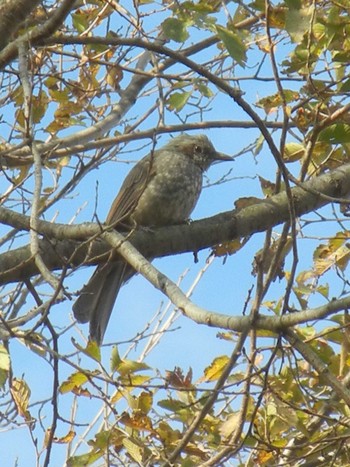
<point x="199" y="148"/>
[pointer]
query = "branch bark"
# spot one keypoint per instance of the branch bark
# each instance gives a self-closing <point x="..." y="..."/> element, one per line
<point x="12" y="14"/>
<point x="60" y="244"/>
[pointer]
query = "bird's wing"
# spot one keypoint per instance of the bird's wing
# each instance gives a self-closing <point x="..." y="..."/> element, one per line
<point x="131" y="190"/>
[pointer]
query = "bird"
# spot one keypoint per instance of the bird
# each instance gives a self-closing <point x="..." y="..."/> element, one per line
<point x="162" y="189"/>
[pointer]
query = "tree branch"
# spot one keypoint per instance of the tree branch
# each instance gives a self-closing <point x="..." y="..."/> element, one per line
<point x="12" y="14"/>
<point x="18" y="264"/>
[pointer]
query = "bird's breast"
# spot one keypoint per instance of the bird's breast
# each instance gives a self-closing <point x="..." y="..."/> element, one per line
<point x="171" y="194"/>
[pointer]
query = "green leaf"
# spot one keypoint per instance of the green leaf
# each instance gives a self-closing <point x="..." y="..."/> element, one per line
<point x="84" y="459"/>
<point x="115" y="359"/>
<point x="171" y="405"/>
<point x="293" y="152"/>
<point x="298" y="23"/>
<point x="80" y="22"/>
<point x="178" y="100"/>
<point x="233" y="44"/>
<point x="175" y="29"/>
<point x="336" y="134"/>
<point x="293" y="4"/>
<point x="345" y="87"/>
<point x="204" y="90"/>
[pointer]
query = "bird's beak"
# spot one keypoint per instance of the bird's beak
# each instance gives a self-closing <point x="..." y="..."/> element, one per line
<point x="220" y="156"/>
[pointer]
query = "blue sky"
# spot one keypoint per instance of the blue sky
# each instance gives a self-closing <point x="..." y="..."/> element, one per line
<point x="223" y="288"/>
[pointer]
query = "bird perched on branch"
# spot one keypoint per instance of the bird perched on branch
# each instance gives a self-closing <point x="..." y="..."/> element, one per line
<point x="161" y="189"/>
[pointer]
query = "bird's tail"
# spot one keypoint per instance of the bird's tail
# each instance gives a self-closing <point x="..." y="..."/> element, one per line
<point x="96" y="300"/>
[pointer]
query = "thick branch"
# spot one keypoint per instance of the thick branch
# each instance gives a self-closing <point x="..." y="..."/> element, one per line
<point x="12" y="14"/>
<point x="17" y="264"/>
<point x="22" y="8"/>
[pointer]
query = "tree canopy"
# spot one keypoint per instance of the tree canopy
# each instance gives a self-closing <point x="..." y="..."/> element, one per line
<point x="88" y="88"/>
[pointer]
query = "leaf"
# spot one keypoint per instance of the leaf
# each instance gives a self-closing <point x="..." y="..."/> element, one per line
<point x="38" y="106"/>
<point x="80" y="21"/>
<point x="59" y="95"/>
<point x="92" y="350"/>
<point x="138" y="421"/>
<point x="134" y="380"/>
<point x="293" y="152"/>
<point x="235" y="47"/>
<point x="194" y="450"/>
<point x="144" y="402"/>
<point x="178" y="100"/>
<point x="20" y="392"/>
<point x="134" y="450"/>
<point x="270" y="103"/>
<point x="229" y="425"/>
<point x="177" y="379"/>
<point x="125" y="367"/>
<point x="114" y="76"/>
<point x="130" y="366"/>
<point x="65" y="439"/>
<point x="264" y="262"/>
<point x="335" y="253"/>
<point x="267" y="187"/>
<point x="74" y="381"/>
<point x="214" y="371"/>
<point x="293" y="4"/>
<point x="61" y="163"/>
<point x="5" y="363"/>
<point x="228" y="248"/>
<point x="167" y="435"/>
<point x="345" y="87"/>
<point x="68" y="438"/>
<point x="227" y="336"/>
<point x="298" y="22"/>
<point x="84" y="460"/>
<point x="171" y="404"/>
<point x="175" y="29"/>
<point x="259" y="144"/>
<point x="115" y="359"/>
<point x="204" y="90"/>
<point x="336" y="134"/>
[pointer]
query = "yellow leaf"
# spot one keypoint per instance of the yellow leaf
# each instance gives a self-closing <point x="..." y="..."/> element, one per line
<point x="134" y="450"/>
<point x="335" y="253"/>
<point x="63" y="440"/>
<point x="20" y="392"/>
<point x="214" y="371"/>
<point x="137" y="421"/>
<point x="4" y="365"/>
<point x="74" y="381"/>
<point x="228" y="248"/>
<point x="229" y="425"/>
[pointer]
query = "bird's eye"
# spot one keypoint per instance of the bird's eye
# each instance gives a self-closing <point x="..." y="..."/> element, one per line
<point x="198" y="149"/>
